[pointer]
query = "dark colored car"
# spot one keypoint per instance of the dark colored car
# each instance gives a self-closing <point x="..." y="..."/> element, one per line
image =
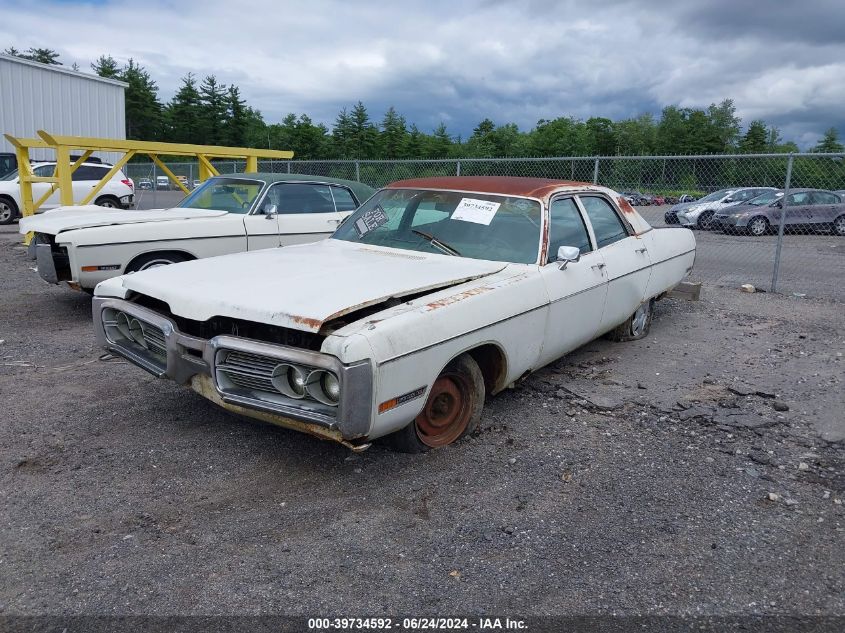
<point x="806" y="210"/>
<point x="8" y="163"/>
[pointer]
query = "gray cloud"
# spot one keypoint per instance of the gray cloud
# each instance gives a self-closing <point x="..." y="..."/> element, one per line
<point x="516" y="61"/>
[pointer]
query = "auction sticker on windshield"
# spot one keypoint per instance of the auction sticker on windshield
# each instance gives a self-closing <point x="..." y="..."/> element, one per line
<point x="478" y="211"/>
<point x="371" y="220"/>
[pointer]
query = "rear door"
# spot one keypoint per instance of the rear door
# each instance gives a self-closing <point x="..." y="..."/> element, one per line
<point x="626" y="259"/>
<point x="84" y="179"/>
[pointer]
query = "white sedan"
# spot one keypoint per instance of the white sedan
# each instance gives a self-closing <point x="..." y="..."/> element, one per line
<point x="82" y="246"/>
<point x="434" y="294"/>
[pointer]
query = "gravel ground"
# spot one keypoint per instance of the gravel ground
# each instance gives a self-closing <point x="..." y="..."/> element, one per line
<point x="698" y="471"/>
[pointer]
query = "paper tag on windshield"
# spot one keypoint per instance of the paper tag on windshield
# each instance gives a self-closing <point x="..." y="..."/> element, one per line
<point x="478" y="211"/>
<point x="371" y="220"/>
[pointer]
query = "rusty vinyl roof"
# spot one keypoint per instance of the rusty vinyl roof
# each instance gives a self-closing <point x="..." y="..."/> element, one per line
<point x="502" y="185"/>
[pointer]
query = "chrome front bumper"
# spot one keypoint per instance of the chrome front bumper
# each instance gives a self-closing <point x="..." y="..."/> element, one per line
<point x="180" y="357"/>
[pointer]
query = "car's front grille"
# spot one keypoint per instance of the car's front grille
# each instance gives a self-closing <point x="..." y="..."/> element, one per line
<point x="248" y="371"/>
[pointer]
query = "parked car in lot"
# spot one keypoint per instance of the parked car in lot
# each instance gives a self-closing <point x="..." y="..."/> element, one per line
<point x="432" y="295"/>
<point x="227" y="214"/>
<point x="145" y="183"/>
<point x="8" y="163"/>
<point x="162" y="182"/>
<point x="636" y="198"/>
<point x="118" y="192"/>
<point x="700" y="214"/>
<point x="807" y="210"/>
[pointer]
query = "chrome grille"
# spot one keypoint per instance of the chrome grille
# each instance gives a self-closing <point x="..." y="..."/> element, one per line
<point x="248" y="371"/>
<point x="154" y="339"/>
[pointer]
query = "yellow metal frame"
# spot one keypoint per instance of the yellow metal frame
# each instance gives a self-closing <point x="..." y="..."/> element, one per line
<point x="62" y="176"/>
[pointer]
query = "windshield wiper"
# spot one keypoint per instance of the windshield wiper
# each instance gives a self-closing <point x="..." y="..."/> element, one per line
<point x="443" y="246"/>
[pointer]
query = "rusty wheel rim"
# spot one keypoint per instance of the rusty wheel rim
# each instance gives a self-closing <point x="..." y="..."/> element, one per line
<point x="447" y="411"/>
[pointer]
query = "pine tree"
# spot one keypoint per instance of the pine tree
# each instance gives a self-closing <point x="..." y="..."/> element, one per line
<point x="184" y="113"/>
<point x="213" y="101"/>
<point x="342" y="135"/>
<point x="235" y="124"/>
<point x="440" y="144"/>
<point x="830" y="142"/>
<point x="755" y="139"/>
<point x="106" y="66"/>
<point x="42" y="55"/>
<point x="144" y="112"/>
<point x="394" y="135"/>
<point x="364" y="135"/>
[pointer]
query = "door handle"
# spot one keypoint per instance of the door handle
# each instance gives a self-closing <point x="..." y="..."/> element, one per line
<point x="641" y="250"/>
<point x="335" y="222"/>
<point x="598" y="266"/>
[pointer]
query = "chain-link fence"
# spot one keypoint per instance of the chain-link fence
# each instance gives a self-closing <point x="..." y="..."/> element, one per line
<point x="776" y="221"/>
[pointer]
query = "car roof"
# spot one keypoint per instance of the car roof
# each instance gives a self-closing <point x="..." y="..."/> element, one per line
<point x="361" y="190"/>
<point x="502" y="185"/>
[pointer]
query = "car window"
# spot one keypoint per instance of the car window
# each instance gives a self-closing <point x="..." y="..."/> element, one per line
<point x="473" y="225"/>
<point x="607" y="226"/>
<point x="89" y="172"/>
<point x="742" y="196"/>
<point x="343" y="199"/>
<point x="822" y="197"/>
<point x="44" y="171"/>
<point x="293" y="198"/>
<point x="566" y="228"/>
<point x="235" y="195"/>
<point x="797" y="199"/>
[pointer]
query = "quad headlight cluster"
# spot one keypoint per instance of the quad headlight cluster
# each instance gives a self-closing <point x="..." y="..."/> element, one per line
<point x="122" y="326"/>
<point x="299" y="382"/>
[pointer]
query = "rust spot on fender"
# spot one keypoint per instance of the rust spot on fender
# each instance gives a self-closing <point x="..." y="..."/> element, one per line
<point x="312" y="324"/>
<point x="624" y="205"/>
<point x="447" y="301"/>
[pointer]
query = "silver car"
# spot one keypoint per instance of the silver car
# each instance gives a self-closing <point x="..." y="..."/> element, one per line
<point x="700" y="214"/>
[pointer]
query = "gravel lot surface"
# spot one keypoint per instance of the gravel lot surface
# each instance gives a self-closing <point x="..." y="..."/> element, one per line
<point x="698" y="471"/>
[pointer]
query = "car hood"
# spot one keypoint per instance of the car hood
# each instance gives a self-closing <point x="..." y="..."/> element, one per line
<point x="69" y="218"/>
<point x="304" y="286"/>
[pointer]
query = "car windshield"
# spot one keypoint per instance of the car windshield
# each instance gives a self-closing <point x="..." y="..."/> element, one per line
<point x="474" y="225"/>
<point x="716" y="195"/>
<point x="766" y="198"/>
<point x="235" y="195"/>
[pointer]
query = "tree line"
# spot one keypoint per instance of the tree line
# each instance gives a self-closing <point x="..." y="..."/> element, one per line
<point x="208" y="112"/>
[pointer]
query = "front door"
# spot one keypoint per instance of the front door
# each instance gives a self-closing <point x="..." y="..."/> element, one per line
<point x="306" y="212"/>
<point x="577" y="292"/>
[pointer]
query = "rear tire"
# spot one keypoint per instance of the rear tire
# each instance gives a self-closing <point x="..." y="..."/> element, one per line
<point x="452" y="410"/>
<point x="636" y="326"/>
<point x="758" y="226"/>
<point x="109" y="202"/>
<point x="154" y="260"/>
<point x="8" y="210"/>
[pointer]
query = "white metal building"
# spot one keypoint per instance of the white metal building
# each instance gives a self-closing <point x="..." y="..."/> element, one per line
<point x="35" y="96"/>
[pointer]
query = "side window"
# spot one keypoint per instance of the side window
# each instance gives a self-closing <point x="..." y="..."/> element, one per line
<point x="566" y="228"/>
<point x="742" y="196"/>
<point x="821" y="197"/>
<point x="606" y="224"/>
<point x="343" y="200"/>
<point x="87" y="172"/>
<point x="292" y="198"/>
<point x="44" y="171"/>
<point x="798" y="199"/>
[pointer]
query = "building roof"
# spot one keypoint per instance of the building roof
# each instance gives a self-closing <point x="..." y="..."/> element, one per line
<point x="503" y="185"/>
<point x="63" y="70"/>
<point x="361" y="190"/>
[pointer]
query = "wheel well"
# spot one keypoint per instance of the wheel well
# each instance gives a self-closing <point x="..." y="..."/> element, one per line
<point x="10" y="200"/>
<point x="493" y="364"/>
<point x="109" y="196"/>
<point x="184" y="254"/>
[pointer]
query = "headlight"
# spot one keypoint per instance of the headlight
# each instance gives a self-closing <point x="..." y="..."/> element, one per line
<point x="323" y="386"/>
<point x="290" y="380"/>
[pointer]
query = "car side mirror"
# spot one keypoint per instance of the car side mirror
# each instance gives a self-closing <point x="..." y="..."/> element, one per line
<point x="778" y="204"/>
<point x="566" y="254"/>
<point x="270" y="212"/>
<point x="728" y="200"/>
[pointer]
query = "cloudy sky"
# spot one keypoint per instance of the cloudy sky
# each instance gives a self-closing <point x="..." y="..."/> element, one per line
<point x="461" y="60"/>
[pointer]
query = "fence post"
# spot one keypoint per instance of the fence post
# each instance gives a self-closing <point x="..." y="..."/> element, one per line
<point x="288" y="166"/>
<point x="458" y="170"/>
<point x="357" y="171"/>
<point x="783" y="203"/>
<point x="596" y="171"/>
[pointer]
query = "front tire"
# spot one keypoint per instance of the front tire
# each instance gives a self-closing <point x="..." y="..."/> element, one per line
<point x="452" y="410"/>
<point x="758" y="226"/>
<point x="839" y="226"/>
<point x="636" y="326"/>
<point x="8" y="211"/>
<point x="705" y="220"/>
<point x="154" y="260"/>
